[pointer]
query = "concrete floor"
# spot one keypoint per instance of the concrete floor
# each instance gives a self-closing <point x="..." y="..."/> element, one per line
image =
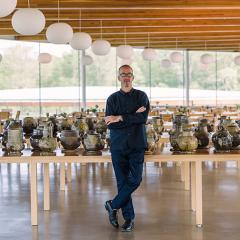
<point x="161" y="203"/>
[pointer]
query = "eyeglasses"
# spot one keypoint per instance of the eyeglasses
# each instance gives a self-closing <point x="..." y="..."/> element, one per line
<point x="125" y="74"/>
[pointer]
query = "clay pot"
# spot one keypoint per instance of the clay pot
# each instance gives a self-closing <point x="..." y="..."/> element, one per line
<point x="15" y="137"/>
<point x="29" y="123"/>
<point x="158" y="125"/>
<point x="234" y="131"/>
<point x="93" y="143"/>
<point x="222" y="140"/>
<point x="70" y="139"/>
<point x="202" y="135"/>
<point x="152" y="139"/>
<point x="187" y="142"/>
<point x="35" y="138"/>
<point x="101" y="126"/>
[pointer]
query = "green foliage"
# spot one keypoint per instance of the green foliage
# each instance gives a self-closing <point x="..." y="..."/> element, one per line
<point x="20" y="69"/>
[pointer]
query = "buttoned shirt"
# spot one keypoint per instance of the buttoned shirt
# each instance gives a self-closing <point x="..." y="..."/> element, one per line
<point x="129" y="133"/>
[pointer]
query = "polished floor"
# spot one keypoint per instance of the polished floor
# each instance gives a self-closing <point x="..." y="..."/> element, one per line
<point x="161" y="203"/>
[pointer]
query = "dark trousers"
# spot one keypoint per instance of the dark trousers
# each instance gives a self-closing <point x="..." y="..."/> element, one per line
<point x="128" y="168"/>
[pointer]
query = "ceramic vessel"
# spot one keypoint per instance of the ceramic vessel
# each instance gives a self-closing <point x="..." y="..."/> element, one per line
<point x="157" y="124"/>
<point x="35" y="138"/>
<point x="186" y="140"/>
<point x="234" y="131"/>
<point x="48" y="143"/>
<point x="92" y="143"/>
<point x="152" y="139"/>
<point x="222" y="140"/>
<point x="202" y="135"/>
<point x="29" y="123"/>
<point x="15" y="137"/>
<point x="70" y="139"/>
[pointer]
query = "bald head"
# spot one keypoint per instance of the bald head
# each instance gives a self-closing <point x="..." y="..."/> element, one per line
<point x="125" y="67"/>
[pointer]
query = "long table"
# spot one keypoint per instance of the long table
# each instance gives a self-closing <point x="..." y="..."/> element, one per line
<point x="192" y="164"/>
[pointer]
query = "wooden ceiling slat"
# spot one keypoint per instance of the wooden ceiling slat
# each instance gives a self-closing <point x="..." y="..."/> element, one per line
<point x="190" y="21"/>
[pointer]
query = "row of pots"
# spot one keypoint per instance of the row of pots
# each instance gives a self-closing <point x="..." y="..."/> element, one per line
<point x="43" y="135"/>
<point x="183" y="138"/>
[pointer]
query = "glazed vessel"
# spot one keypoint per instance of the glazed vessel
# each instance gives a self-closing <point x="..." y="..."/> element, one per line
<point x="93" y="144"/>
<point x="70" y="139"/>
<point x="222" y="140"/>
<point x="186" y="140"/>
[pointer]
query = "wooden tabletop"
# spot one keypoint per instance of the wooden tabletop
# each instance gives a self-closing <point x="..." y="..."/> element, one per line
<point x="162" y="154"/>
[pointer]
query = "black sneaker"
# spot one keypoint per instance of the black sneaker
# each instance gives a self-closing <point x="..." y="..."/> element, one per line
<point x="112" y="214"/>
<point x="128" y="226"/>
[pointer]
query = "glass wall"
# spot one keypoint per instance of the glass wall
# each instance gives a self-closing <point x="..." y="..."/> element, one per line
<point x="217" y="83"/>
<point x="59" y="79"/>
<point x="36" y="89"/>
<point x="19" y="77"/>
<point x="101" y="80"/>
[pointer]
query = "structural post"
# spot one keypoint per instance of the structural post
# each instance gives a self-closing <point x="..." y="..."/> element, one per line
<point x="83" y="78"/>
<point x="187" y="76"/>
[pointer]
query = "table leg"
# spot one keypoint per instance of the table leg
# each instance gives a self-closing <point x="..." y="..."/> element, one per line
<point x="198" y="172"/>
<point x="34" y="196"/>
<point x="182" y="171"/>
<point x="238" y="164"/>
<point x="69" y="172"/>
<point x="193" y="186"/>
<point x="186" y="176"/>
<point x="46" y="182"/>
<point x="62" y="176"/>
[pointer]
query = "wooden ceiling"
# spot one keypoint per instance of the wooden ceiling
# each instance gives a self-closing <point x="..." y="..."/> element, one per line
<point x="193" y="24"/>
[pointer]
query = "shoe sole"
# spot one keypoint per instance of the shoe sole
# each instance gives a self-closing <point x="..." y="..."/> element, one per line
<point x="125" y="230"/>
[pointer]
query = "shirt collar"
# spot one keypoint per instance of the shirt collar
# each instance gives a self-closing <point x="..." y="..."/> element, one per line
<point x="126" y="93"/>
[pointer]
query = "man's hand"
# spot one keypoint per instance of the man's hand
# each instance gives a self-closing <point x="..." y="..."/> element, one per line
<point x="113" y="119"/>
<point x="141" y="109"/>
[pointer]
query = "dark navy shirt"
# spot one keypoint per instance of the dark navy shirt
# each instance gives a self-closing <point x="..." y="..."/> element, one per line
<point x="129" y="133"/>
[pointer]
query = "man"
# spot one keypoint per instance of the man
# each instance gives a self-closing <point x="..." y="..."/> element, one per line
<point x="126" y="115"/>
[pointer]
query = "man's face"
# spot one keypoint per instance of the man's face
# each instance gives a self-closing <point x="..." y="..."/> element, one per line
<point x="126" y="77"/>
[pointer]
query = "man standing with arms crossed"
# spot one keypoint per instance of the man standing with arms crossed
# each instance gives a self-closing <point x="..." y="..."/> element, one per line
<point x="126" y="115"/>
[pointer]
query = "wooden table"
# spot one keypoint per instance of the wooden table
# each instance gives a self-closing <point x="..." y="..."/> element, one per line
<point x="195" y="171"/>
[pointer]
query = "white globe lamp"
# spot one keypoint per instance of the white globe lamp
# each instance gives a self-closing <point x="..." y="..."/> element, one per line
<point x="81" y="41"/>
<point x="7" y="7"/>
<point x="149" y="54"/>
<point x="101" y="47"/>
<point x="59" y="33"/>
<point x="44" y="58"/>
<point x="176" y="57"/>
<point x="237" y="60"/>
<point x="124" y="51"/>
<point x="206" y="58"/>
<point x="28" y="21"/>
<point x="166" y="63"/>
<point x="87" y="60"/>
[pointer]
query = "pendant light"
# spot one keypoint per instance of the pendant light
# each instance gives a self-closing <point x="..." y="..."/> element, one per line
<point x="7" y="7"/>
<point x="100" y="46"/>
<point x="87" y="60"/>
<point x="59" y="33"/>
<point x="28" y="21"/>
<point x="148" y="53"/>
<point x="206" y="58"/>
<point x="166" y="63"/>
<point x="176" y="57"/>
<point x="81" y="40"/>
<point x="44" y="58"/>
<point x="124" y="51"/>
